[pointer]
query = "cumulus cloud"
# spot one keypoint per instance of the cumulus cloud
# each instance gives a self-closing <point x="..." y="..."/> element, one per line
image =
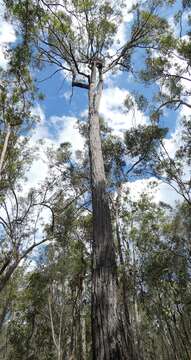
<point x="7" y="33"/>
<point x="160" y="192"/>
<point x="57" y="129"/>
<point x="53" y="131"/>
<point x="112" y="109"/>
<point x="67" y="131"/>
<point x="172" y="144"/>
<point x="121" y="35"/>
<point x="39" y="168"/>
<point x="41" y="130"/>
<point x="7" y="36"/>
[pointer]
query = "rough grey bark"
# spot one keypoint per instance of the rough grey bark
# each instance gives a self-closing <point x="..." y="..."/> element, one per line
<point x="109" y="340"/>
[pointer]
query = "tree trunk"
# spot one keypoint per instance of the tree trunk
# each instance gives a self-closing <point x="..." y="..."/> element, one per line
<point x="124" y="288"/>
<point x="108" y="338"/>
<point x="4" y="278"/>
<point x="4" y="149"/>
<point x="84" y="340"/>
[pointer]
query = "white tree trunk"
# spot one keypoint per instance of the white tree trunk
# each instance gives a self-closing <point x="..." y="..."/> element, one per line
<point x="4" y="150"/>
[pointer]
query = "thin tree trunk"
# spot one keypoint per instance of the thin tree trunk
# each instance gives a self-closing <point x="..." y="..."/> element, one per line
<point x="4" y="150"/>
<point x="124" y="281"/>
<point x="57" y="342"/>
<point x="84" y="340"/>
<point x="7" y="275"/>
<point x="4" y="313"/>
<point x="109" y="341"/>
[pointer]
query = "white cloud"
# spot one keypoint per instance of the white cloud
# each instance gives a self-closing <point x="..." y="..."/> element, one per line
<point x="52" y="131"/>
<point x="167" y="194"/>
<point x="138" y="187"/>
<point x="67" y="131"/>
<point x="57" y="129"/>
<point x="7" y="36"/>
<point x="7" y="33"/>
<point x="67" y="95"/>
<point x="172" y="144"/>
<point x="161" y="192"/>
<point x="39" y="169"/>
<point x="112" y="106"/>
<point x="121" y="35"/>
<point x="41" y="130"/>
<point x="176" y="27"/>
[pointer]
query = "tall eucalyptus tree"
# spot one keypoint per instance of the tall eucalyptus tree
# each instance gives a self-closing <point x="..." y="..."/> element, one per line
<point x="78" y="37"/>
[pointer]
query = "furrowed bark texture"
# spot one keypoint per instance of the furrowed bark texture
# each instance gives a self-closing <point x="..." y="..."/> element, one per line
<point x="109" y="340"/>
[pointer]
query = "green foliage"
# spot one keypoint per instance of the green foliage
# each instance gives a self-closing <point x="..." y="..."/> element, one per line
<point x="184" y="151"/>
<point x="159" y="265"/>
<point x="143" y="140"/>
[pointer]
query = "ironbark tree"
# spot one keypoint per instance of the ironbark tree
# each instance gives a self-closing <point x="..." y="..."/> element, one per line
<point x="77" y="37"/>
